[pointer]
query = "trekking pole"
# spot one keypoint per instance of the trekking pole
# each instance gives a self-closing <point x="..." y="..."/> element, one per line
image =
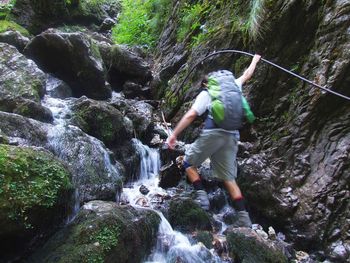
<point x="266" y="61"/>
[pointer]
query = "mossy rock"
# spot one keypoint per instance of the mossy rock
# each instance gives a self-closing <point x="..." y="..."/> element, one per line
<point x="248" y="247"/>
<point x="35" y="189"/>
<point x="206" y="238"/>
<point x="99" y="120"/>
<point x="93" y="11"/>
<point x="103" y="232"/>
<point x="6" y="25"/>
<point x="186" y="215"/>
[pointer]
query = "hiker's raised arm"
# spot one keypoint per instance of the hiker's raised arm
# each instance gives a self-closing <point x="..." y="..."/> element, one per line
<point x="186" y="120"/>
<point x="248" y="73"/>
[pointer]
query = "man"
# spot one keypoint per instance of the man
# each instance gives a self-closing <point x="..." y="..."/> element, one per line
<point x="220" y="146"/>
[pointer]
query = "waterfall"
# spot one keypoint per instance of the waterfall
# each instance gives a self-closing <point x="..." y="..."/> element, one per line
<point x="171" y="244"/>
<point x="87" y="157"/>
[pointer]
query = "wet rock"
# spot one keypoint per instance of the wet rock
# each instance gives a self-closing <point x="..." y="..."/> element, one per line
<point x="170" y="175"/>
<point x="100" y="120"/>
<point x="57" y="88"/>
<point x="14" y="38"/>
<point x="20" y="76"/>
<point x="72" y="57"/>
<point x="103" y="231"/>
<point x="186" y="215"/>
<point x="204" y="237"/>
<point x="245" y="245"/>
<point x="132" y="90"/>
<point x="26" y="108"/>
<point x="144" y="190"/>
<point x="95" y="175"/>
<point x="106" y="25"/>
<point x="22" y="130"/>
<point x="35" y="190"/>
<point x="124" y="65"/>
<point x="22" y="85"/>
<point x="39" y="15"/>
<point x="217" y="199"/>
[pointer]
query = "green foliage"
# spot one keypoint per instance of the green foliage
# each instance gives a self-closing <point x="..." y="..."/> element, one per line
<point x="6" y="7"/>
<point x="29" y="179"/>
<point x="256" y="16"/>
<point x="190" y="17"/>
<point x="141" y="21"/>
<point x="6" y="25"/>
<point x="107" y="237"/>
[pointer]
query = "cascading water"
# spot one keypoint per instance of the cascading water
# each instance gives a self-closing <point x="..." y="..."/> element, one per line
<point x="88" y="158"/>
<point x="171" y="245"/>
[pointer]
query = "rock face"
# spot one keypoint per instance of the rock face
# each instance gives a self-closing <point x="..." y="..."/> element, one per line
<point x="297" y="173"/>
<point x="39" y="15"/>
<point x="34" y="191"/>
<point x="74" y="58"/>
<point x="105" y="232"/>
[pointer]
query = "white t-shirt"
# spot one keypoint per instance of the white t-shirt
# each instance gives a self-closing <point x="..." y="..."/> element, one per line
<point x="203" y="100"/>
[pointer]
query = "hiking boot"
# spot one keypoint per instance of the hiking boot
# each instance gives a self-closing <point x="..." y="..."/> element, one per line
<point x="201" y="198"/>
<point x="242" y="220"/>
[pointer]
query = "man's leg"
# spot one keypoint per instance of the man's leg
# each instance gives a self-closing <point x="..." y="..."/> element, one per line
<point x="243" y="219"/>
<point x="201" y="196"/>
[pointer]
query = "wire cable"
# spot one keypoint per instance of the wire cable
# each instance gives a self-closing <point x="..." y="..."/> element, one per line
<point x="324" y="88"/>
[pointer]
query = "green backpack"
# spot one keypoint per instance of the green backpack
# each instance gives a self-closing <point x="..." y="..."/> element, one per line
<point x="228" y="105"/>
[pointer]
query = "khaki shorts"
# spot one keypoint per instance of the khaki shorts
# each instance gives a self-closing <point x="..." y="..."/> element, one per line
<point x="221" y="147"/>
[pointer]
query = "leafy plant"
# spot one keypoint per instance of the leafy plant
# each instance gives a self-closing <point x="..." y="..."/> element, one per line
<point x="140" y="22"/>
<point x="190" y="17"/>
<point x="6" y="7"/>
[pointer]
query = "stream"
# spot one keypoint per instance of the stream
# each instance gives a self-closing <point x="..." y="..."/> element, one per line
<point x="172" y="245"/>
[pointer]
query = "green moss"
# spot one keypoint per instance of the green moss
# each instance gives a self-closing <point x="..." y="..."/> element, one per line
<point x="29" y="179"/>
<point x="107" y="237"/>
<point x="206" y="238"/>
<point x="248" y="250"/>
<point x="186" y="215"/>
<point x="5" y="8"/>
<point x="6" y="25"/>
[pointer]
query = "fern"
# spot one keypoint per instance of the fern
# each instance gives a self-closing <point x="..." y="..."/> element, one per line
<point x="256" y="18"/>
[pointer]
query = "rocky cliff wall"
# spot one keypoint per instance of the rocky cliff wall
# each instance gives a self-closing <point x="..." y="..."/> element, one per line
<point x="297" y="173"/>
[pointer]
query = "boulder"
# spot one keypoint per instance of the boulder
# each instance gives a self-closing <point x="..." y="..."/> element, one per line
<point x="26" y="108"/>
<point x="20" y="76"/>
<point x="245" y="245"/>
<point x="170" y="175"/>
<point x="23" y="131"/>
<point x="140" y="114"/>
<point x="14" y="38"/>
<point x="72" y="57"/>
<point x="132" y="90"/>
<point x="57" y="88"/>
<point x="35" y="189"/>
<point x="186" y="215"/>
<point x="103" y="232"/>
<point x="100" y="120"/>
<point x="39" y="15"/>
<point x="96" y="175"/>
<point x="124" y="65"/>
